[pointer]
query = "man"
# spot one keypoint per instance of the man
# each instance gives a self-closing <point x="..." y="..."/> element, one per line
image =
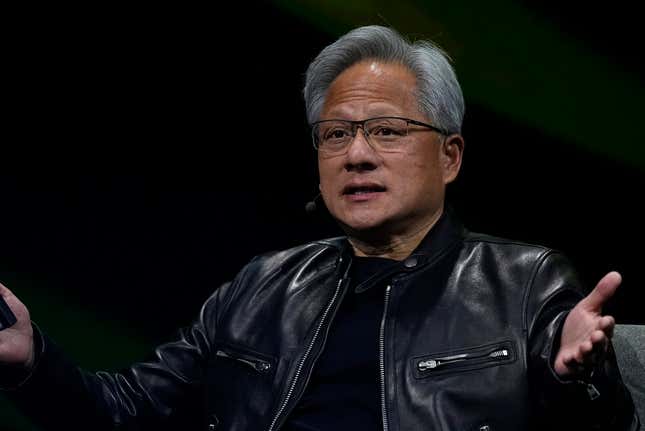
<point x="410" y="322"/>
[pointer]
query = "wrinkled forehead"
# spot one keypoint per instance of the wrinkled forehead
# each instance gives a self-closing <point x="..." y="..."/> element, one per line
<point x="371" y="88"/>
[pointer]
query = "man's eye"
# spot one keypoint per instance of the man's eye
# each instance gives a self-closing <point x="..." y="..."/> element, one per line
<point x="336" y="134"/>
<point x="386" y="131"/>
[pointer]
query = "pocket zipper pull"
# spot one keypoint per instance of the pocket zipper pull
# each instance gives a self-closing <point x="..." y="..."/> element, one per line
<point x="259" y="365"/>
<point x="503" y="353"/>
<point x="430" y="364"/>
<point x="592" y="391"/>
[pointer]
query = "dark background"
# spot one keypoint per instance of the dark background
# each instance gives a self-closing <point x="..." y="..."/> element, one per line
<point x="149" y="153"/>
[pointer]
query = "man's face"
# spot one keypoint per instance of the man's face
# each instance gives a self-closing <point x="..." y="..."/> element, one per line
<point x="386" y="193"/>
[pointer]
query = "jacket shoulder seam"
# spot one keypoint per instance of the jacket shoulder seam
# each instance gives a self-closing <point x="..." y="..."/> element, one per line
<point x="475" y="237"/>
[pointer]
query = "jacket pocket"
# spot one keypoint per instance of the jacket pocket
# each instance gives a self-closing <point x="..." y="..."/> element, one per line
<point x="239" y="385"/>
<point x="258" y="362"/>
<point x="473" y="358"/>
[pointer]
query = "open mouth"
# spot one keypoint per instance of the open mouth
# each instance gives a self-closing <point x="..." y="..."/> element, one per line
<point x="362" y="190"/>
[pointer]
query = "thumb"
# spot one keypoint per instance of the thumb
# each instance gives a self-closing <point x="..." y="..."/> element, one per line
<point x="604" y="290"/>
<point x="4" y="291"/>
<point x="11" y="300"/>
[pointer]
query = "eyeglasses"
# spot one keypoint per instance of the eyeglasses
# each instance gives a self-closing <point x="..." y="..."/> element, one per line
<point x="382" y="133"/>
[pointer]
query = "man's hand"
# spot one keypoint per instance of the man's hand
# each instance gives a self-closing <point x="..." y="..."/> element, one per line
<point x="17" y="341"/>
<point x="586" y="332"/>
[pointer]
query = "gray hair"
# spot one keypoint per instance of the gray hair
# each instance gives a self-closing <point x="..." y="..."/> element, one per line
<point x="438" y="91"/>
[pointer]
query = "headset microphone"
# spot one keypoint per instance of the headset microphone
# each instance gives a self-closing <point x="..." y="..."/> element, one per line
<point x="311" y="206"/>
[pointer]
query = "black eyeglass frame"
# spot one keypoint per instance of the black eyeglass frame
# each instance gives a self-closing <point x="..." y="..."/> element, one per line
<point x="361" y="123"/>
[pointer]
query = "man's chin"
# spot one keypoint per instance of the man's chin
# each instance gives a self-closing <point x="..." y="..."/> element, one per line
<point x="372" y="229"/>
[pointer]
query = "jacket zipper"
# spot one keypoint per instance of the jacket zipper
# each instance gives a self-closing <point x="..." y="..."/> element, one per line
<point x="381" y="344"/>
<point x="441" y="362"/>
<point x="592" y="391"/>
<point x="284" y="404"/>
<point x="256" y="364"/>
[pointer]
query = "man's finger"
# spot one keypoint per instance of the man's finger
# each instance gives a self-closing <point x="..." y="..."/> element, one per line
<point x="597" y="337"/>
<point x="607" y="325"/>
<point x="570" y="361"/>
<point x="600" y="343"/>
<point x="4" y="291"/>
<point x="585" y="349"/>
<point x="604" y="290"/>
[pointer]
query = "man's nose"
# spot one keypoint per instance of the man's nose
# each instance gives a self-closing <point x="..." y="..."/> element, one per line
<point x="361" y="155"/>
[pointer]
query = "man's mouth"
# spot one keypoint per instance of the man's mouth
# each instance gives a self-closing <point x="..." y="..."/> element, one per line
<point x="362" y="190"/>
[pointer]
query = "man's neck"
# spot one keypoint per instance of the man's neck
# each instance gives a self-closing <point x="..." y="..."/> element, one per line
<point x="396" y="247"/>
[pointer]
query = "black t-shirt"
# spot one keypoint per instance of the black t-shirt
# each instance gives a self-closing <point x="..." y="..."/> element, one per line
<point x="344" y="390"/>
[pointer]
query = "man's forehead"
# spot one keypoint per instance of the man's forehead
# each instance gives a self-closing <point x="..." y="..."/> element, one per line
<point x="386" y="87"/>
<point x="375" y="69"/>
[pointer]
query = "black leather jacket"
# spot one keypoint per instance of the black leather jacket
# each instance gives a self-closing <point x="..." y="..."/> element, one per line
<point x="467" y="340"/>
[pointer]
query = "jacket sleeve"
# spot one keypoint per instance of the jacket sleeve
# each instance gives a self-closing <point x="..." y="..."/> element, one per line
<point x="599" y="401"/>
<point x="59" y="395"/>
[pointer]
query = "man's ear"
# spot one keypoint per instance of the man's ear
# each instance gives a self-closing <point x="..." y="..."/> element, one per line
<point x="452" y="150"/>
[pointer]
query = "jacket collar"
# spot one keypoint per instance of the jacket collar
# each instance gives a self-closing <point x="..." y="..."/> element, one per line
<point x="446" y="232"/>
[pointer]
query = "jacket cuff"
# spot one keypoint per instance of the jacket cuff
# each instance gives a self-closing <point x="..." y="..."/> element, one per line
<point x="582" y="388"/>
<point x="598" y="396"/>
